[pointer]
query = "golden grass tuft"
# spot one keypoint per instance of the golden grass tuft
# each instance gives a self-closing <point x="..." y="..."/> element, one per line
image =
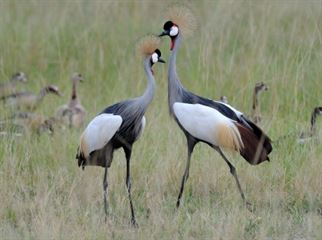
<point x="183" y="17"/>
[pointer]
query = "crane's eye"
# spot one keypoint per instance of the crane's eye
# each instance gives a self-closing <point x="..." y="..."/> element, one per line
<point x="174" y="31"/>
<point x="154" y="58"/>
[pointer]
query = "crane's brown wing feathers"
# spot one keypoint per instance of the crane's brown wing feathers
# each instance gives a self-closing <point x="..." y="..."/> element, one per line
<point x="256" y="148"/>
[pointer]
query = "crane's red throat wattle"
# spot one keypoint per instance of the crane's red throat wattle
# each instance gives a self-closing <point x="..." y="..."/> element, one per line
<point x="172" y="44"/>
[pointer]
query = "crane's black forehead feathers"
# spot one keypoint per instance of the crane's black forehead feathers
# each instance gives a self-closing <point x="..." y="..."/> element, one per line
<point x="157" y="51"/>
<point x="167" y="25"/>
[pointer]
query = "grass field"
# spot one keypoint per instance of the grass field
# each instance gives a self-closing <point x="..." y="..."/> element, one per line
<point x="44" y="195"/>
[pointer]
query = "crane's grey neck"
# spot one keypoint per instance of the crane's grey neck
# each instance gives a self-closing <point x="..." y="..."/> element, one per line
<point x="175" y="88"/>
<point x="148" y="94"/>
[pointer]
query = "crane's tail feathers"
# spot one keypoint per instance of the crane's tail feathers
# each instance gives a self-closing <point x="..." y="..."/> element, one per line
<point x="102" y="157"/>
<point x="256" y="146"/>
<point x="259" y="133"/>
<point x="229" y="137"/>
<point x="80" y="158"/>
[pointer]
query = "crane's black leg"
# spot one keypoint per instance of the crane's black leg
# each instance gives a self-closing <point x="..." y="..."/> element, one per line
<point x="191" y="144"/>
<point x="234" y="173"/>
<point x="128" y="153"/>
<point x="105" y="188"/>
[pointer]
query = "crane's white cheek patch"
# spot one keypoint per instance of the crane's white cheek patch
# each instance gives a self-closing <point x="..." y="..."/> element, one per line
<point x="154" y="57"/>
<point x="174" y="31"/>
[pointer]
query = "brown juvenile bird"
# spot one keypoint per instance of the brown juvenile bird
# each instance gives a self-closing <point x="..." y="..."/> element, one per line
<point x="259" y="87"/>
<point x="304" y="136"/>
<point x="29" y="100"/>
<point x="72" y="114"/>
<point x="10" y="86"/>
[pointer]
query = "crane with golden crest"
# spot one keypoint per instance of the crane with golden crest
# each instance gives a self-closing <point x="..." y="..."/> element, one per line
<point x="120" y="125"/>
<point x="215" y="123"/>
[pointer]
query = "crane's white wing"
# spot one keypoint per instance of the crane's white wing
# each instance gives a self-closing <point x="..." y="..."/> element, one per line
<point x="208" y="124"/>
<point x="98" y="132"/>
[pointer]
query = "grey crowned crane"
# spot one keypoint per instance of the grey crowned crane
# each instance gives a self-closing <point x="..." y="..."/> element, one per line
<point x="10" y="87"/>
<point x="120" y="125"/>
<point x="256" y="114"/>
<point x="203" y="120"/>
<point x="73" y="113"/>
<point x="29" y="100"/>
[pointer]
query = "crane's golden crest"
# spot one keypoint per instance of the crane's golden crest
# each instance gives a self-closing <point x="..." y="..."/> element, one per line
<point x="183" y="17"/>
<point x="147" y="45"/>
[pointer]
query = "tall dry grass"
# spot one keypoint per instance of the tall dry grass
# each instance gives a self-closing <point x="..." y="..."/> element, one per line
<point x="43" y="194"/>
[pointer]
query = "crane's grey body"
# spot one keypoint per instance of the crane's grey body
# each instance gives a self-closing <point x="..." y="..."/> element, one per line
<point x="177" y="92"/>
<point x="132" y="125"/>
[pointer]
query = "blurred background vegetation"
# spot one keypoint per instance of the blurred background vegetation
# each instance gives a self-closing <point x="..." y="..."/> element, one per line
<point x="237" y="43"/>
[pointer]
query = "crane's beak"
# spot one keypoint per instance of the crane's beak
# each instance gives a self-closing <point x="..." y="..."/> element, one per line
<point x="164" y="33"/>
<point x="161" y="60"/>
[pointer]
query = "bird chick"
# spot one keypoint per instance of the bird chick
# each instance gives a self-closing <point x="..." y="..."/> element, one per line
<point x="10" y="87"/>
<point x="256" y="114"/>
<point x="73" y="113"/>
<point x="29" y="100"/>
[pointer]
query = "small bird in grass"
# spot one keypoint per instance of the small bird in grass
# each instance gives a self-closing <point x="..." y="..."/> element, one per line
<point x="23" y="122"/>
<point x="10" y="87"/>
<point x="256" y="114"/>
<point x="304" y="136"/>
<point x="223" y="99"/>
<point x="120" y="125"/>
<point x="203" y="120"/>
<point x="73" y="113"/>
<point x="29" y="100"/>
